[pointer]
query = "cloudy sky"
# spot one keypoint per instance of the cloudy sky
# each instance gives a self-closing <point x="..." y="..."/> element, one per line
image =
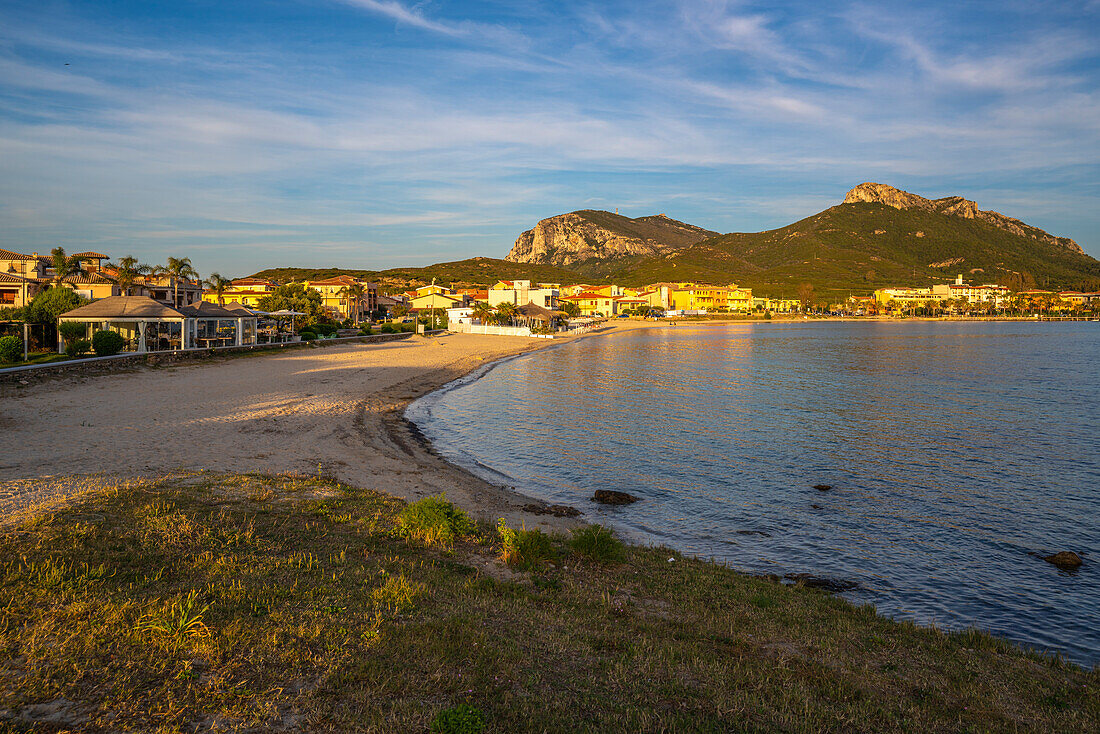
<point x="376" y="133"/>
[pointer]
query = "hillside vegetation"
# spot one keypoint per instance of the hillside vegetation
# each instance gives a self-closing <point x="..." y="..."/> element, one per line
<point x="475" y="271"/>
<point x="860" y="247"/>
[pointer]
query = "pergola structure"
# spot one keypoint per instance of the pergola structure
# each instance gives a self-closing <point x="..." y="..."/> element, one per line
<point x="533" y="312"/>
<point x="149" y="326"/>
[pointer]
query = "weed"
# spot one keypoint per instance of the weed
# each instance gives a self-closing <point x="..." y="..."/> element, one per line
<point x="462" y="719"/>
<point x="397" y="594"/>
<point x="524" y="549"/>
<point x="596" y="543"/>
<point x="435" y="521"/>
<point x="180" y="620"/>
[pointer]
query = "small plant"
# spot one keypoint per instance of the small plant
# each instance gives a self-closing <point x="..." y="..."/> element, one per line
<point x="397" y="594"/>
<point x="308" y="336"/>
<point x="596" y="542"/>
<point x="524" y="549"/>
<point x="365" y="330"/>
<point x="106" y="343"/>
<point x="180" y="620"/>
<point x="435" y="521"/>
<point x="11" y="349"/>
<point x="386" y="329"/>
<point x="76" y="347"/>
<point x="462" y="719"/>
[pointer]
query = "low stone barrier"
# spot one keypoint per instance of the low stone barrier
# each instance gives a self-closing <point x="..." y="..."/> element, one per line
<point x="103" y="365"/>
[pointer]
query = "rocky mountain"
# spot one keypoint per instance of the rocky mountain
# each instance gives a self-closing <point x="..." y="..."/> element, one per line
<point x="881" y="236"/>
<point x="955" y="206"/>
<point x="588" y="240"/>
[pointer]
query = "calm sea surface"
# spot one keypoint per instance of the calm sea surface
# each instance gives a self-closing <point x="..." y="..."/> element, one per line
<point x="955" y="450"/>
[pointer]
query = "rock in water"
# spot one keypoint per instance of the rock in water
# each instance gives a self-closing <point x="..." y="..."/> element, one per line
<point x="823" y="487"/>
<point x="1065" y="560"/>
<point x="612" y="497"/>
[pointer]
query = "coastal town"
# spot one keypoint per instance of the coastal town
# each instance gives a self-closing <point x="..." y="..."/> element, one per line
<point x="57" y="303"/>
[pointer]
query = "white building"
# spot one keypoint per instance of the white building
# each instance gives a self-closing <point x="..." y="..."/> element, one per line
<point x="959" y="291"/>
<point x="520" y="293"/>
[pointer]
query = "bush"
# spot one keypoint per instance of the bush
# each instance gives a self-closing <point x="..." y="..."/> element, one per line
<point x="524" y="549"/>
<point x="386" y="329"/>
<point x="11" y="349"/>
<point x="77" y="347"/>
<point x="365" y="331"/>
<point x="462" y="719"/>
<point x="106" y="343"/>
<point x="596" y="542"/>
<point x="51" y="303"/>
<point x="325" y="329"/>
<point x="72" y="330"/>
<point x="308" y="336"/>
<point x="435" y="521"/>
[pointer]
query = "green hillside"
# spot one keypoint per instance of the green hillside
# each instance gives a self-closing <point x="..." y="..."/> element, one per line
<point x="859" y="247"/>
<point x="476" y="271"/>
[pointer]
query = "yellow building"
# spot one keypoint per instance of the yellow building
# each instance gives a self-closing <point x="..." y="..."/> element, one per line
<point x="591" y="303"/>
<point x="245" y="291"/>
<point x="708" y="298"/>
<point x="335" y="300"/>
<point x="903" y="298"/>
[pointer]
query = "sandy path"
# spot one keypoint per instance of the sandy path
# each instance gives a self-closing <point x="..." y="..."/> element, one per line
<point x="335" y="410"/>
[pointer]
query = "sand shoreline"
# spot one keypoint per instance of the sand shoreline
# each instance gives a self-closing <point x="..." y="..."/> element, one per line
<point x="337" y="411"/>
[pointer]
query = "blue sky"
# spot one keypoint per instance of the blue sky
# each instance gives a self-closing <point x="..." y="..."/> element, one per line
<point x="377" y="133"/>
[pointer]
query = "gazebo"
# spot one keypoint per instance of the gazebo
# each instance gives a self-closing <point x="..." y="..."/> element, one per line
<point x="533" y="312"/>
<point x="150" y="326"/>
<point x="211" y="325"/>
<point x="147" y="325"/>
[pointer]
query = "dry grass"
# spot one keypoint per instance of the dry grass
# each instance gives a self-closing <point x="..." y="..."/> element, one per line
<point x="238" y="602"/>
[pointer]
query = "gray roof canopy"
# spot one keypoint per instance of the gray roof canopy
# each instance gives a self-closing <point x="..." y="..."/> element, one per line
<point x="123" y="307"/>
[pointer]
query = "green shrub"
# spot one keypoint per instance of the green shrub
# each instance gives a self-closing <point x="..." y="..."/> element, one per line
<point x="76" y="347"/>
<point x="596" y="542"/>
<point x="387" y="328"/>
<point x="365" y="331"/>
<point x="72" y="330"/>
<point x="524" y="549"/>
<point x="106" y="343"/>
<point x="462" y="719"/>
<point x="325" y="329"/>
<point x="308" y="336"/>
<point x="51" y="303"/>
<point x="435" y="521"/>
<point x="11" y="349"/>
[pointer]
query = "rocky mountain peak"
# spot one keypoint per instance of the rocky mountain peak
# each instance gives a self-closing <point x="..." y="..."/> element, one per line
<point x="591" y="235"/>
<point x="954" y="206"/>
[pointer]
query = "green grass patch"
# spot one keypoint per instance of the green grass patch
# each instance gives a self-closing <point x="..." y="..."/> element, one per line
<point x="596" y="543"/>
<point x="435" y="521"/>
<point x="524" y="549"/>
<point x="251" y="602"/>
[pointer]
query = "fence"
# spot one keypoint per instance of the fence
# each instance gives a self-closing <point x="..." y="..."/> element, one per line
<point x="464" y="328"/>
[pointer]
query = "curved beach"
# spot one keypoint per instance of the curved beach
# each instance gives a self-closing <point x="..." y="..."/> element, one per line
<point x="336" y="411"/>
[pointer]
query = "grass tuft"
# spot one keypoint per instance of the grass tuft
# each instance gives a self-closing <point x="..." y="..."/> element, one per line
<point x="596" y="543"/>
<point x="435" y="521"/>
<point x="524" y="549"/>
<point x="462" y="719"/>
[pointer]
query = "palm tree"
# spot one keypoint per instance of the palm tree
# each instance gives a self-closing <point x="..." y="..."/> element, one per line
<point x="354" y="293"/>
<point x="64" y="265"/>
<point x="506" y="313"/>
<point x="482" y="311"/>
<point x="218" y="284"/>
<point x="177" y="269"/>
<point x="127" y="272"/>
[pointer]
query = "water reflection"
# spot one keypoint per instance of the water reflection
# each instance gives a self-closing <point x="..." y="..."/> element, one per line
<point x="954" y="450"/>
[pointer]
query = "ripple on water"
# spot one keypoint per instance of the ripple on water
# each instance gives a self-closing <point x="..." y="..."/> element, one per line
<point x="954" y="450"/>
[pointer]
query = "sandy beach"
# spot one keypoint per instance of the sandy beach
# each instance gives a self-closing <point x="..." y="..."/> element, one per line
<point x="335" y="410"/>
